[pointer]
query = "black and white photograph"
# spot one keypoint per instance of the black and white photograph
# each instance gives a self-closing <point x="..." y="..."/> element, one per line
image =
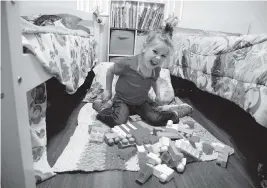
<point x="133" y="93"/>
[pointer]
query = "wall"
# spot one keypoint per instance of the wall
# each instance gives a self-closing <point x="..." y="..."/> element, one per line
<point x="228" y="16"/>
<point x="25" y="6"/>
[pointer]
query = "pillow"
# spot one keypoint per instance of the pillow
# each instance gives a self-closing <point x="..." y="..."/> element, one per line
<point x="63" y="20"/>
<point x="99" y="84"/>
<point x="37" y="100"/>
<point x="44" y="20"/>
<point x="69" y="21"/>
<point x="166" y="92"/>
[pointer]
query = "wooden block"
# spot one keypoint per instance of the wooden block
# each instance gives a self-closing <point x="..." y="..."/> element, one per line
<point x="145" y="125"/>
<point x="153" y="159"/>
<point x="163" y="172"/>
<point x="135" y="118"/>
<point x="187" y="148"/>
<point x="127" y="153"/>
<point x="175" y="154"/>
<point x="157" y="129"/>
<point x="141" y="151"/>
<point x="171" y="135"/>
<point x="223" y="158"/>
<point x="111" y="136"/>
<point x="97" y="134"/>
<point x="153" y="139"/>
<point x="144" y="173"/>
<point x="140" y="134"/>
<point x="165" y="157"/>
<point x="126" y="142"/>
<point x="186" y="131"/>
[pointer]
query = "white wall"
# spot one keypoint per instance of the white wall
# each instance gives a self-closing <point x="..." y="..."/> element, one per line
<point x="228" y="16"/>
<point x="26" y="5"/>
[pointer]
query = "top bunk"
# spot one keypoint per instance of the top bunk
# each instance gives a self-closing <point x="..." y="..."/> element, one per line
<point x="56" y="42"/>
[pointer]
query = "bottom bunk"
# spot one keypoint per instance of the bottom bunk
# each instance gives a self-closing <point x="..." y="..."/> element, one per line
<point x="231" y="67"/>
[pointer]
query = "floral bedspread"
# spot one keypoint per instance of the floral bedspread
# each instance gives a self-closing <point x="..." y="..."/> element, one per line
<point x="233" y="67"/>
<point x="66" y="54"/>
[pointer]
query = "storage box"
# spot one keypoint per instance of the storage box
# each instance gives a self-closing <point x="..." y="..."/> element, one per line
<point x="122" y="42"/>
<point x="115" y="59"/>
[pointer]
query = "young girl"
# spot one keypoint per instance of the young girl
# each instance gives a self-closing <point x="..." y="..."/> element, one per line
<point x="137" y="75"/>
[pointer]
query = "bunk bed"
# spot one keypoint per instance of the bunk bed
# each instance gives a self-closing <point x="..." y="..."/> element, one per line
<point x="232" y="67"/>
<point x="24" y="71"/>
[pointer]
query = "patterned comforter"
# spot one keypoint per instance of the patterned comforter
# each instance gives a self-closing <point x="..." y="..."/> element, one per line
<point x="232" y="67"/>
<point x="65" y="53"/>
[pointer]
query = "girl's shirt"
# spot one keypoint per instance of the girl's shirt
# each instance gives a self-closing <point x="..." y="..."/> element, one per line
<point x="132" y="87"/>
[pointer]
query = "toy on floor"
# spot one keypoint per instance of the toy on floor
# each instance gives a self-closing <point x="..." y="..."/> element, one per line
<point x="144" y="173"/>
<point x="157" y="153"/>
<point x="223" y="156"/>
<point x="141" y="135"/>
<point x="163" y="172"/>
<point x="153" y="159"/>
<point x="164" y="142"/>
<point x="181" y="166"/>
<point x="97" y="134"/>
<point x="135" y="118"/>
<point x="171" y="135"/>
<point x="126" y="142"/>
<point x="180" y="128"/>
<point x="111" y="138"/>
<point x="187" y="148"/>
<point x="127" y="153"/>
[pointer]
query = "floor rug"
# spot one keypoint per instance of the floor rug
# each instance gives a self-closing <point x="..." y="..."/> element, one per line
<point x="82" y="155"/>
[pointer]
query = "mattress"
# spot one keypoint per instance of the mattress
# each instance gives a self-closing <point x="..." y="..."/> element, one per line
<point x="65" y="53"/>
<point x="232" y="67"/>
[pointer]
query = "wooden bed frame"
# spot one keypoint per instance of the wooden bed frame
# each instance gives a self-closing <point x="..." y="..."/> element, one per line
<point x="21" y="72"/>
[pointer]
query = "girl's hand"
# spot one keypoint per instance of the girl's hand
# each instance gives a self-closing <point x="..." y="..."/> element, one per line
<point x="106" y="95"/>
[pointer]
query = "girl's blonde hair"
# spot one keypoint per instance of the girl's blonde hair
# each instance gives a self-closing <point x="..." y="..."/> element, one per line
<point x="164" y="34"/>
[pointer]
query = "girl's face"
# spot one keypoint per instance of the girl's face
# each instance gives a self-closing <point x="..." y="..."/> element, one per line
<point x="155" y="53"/>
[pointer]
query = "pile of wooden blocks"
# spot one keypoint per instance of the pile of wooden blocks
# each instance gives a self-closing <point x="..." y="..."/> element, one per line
<point x="160" y="151"/>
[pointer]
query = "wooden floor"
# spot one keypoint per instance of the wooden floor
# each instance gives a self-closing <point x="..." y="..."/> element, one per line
<point x="196" y="175"/>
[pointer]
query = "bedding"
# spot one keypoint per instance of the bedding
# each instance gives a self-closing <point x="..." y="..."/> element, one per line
<point x="233" y="67"/>
<point x="37" y="104"/>
<point x="66" y="54"/>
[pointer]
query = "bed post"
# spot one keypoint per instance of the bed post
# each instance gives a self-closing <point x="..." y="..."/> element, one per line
<point x="17" y="161"/>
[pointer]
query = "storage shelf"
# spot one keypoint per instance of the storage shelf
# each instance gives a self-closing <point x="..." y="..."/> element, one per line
<point x="121" y="28"/>
<point x="131" y="16"/>
<point x="130" y="29"/>
<point x="122" y="55"/>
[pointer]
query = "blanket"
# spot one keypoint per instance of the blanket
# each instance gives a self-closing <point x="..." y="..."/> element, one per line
<point x="66" y="54"/>
<point x="82" y="155"/>
<point x="232" y="67"/>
